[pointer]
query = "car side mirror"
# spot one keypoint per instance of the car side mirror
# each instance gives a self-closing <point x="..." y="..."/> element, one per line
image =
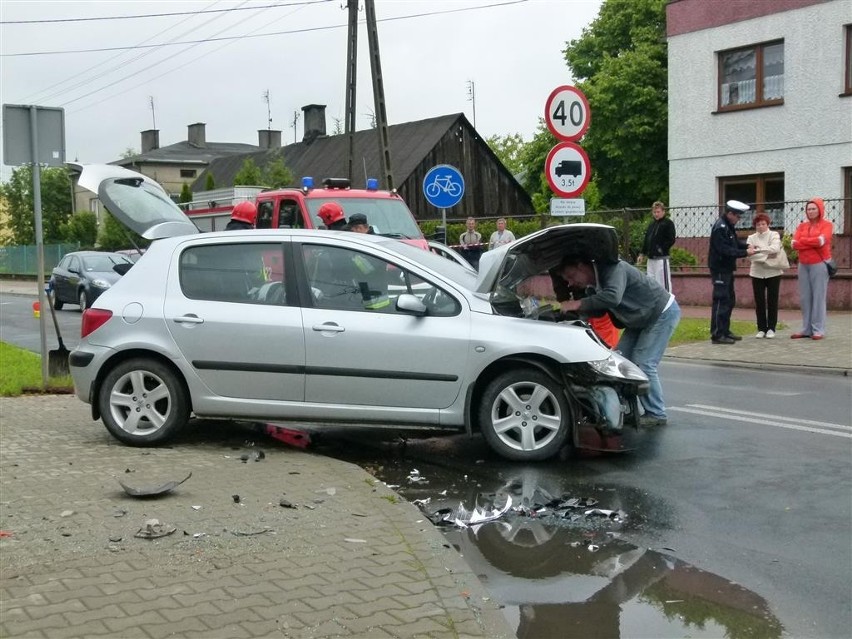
<point x="411" y="304"/>
<point x="121" y="269"/>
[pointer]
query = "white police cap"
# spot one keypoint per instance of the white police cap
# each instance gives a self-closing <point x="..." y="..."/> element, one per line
<point x="735" y="206"/>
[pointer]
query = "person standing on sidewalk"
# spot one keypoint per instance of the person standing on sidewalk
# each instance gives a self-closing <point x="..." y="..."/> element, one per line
<point x="501" y="236"/>
<point x="812" y="240"/>
<point x="765" y="272"/>
<point x="660" y="236"/>
<point x="725" y="249"/>
<point x="471" y="243"/>
<point x="648" y="313"/>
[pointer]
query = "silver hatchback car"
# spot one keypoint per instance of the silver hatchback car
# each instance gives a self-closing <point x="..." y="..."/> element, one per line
<point x="327" y="327"/>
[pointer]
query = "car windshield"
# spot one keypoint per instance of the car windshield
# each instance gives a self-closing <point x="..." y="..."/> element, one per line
<point x="387" y="216"/>
<point x="447" y="268"/>
<point x="103" y="263"/>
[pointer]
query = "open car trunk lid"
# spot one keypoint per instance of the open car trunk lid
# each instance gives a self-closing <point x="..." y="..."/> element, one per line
<point x="135" y="200"/>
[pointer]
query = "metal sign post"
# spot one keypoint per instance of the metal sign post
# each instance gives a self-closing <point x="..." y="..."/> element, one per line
<point x="22" y="144"/>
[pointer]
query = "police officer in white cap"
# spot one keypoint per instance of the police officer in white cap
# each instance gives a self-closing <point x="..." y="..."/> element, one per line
<point x="725" y="249"/>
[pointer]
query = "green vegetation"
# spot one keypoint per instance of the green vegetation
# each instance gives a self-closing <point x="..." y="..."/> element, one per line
<point x="17" y="195"/>
<point x="22" y="372"/>
<point x="694" y="329"/>
<point x="114" y="236"/>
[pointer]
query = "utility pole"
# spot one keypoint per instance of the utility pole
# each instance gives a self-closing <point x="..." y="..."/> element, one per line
<point x="351" y="79"/>
<point x="378" y="93"/>
<point x="296" y="115"/>
<point x="268" y="109"/>
<point x="471" y="97"/>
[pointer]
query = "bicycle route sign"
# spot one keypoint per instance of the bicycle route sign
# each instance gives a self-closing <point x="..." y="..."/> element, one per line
<point x="567" y="169"/>
<point x="567" y="113"/>
<point x="443" y="186"/>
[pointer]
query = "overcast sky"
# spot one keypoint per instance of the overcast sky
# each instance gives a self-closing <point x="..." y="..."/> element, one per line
<point x="510" y="49"/>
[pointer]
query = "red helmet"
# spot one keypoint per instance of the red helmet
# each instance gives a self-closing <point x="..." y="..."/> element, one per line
<point x="245" y="212"/>
<point x="330" y="212"/>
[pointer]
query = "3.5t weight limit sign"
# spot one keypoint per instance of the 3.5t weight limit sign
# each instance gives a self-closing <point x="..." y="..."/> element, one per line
<point x="567" y="113"/>
<point x="567" y="169"/>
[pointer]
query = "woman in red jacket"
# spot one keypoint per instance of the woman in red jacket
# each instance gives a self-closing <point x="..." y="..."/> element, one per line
<point x="812" y="240"/>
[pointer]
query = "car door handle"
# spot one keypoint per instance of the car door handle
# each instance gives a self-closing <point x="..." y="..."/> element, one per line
<point x="188" y="319"/>
<point x="328" y="328"/>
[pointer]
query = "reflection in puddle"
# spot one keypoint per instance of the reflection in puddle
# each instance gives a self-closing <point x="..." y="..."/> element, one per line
<point x="560" y="573"/>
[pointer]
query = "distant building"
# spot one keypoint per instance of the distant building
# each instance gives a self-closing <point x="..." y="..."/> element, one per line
<point x="415" y="147"/>
<point x="177" y="164"/>
<point x="760" y="104"/>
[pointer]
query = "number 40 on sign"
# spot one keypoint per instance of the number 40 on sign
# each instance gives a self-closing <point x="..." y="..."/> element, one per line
<point x="567" y="113"/>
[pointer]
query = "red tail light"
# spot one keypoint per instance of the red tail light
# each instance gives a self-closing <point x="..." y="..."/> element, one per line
<point x="93" y="319"/>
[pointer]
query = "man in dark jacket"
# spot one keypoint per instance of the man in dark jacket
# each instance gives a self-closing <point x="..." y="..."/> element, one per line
<point x="725" y="249"/>
<point x="660" y="236"/>
<point x="648" y="313"/>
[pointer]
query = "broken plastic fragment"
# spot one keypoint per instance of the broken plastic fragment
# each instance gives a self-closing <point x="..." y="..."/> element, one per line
<point x="352" y="540"/>
<point x="153" y="529"/>
<point x="152" y="490"/>
<point x="291" y="436"/>
<point x="255" y="455"/>
<point x="250" y="533"/>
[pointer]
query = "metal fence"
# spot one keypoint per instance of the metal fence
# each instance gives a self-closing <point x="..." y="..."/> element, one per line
<point x="23" y="260"/>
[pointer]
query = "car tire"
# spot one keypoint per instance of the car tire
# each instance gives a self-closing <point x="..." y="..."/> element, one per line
<point x="83" y="300"/>
<point x="525" y="416"/>
<point x="57" y="303"/>
<point x="143" y="402"/>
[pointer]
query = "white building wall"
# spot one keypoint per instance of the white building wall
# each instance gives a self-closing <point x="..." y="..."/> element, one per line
<point x="808" y="138"/>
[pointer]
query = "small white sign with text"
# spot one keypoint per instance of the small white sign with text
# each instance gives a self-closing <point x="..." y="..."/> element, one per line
<point x="560" y="207"/>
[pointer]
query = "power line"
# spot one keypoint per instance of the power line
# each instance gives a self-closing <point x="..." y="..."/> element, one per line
<point x="263" y="35"/>
<point x="160" y="15"/>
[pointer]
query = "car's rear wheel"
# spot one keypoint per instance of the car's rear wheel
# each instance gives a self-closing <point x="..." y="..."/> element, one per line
<point x="143" y="402"/>
<point x="524" y="415"/>
<point x="83" y="300"/>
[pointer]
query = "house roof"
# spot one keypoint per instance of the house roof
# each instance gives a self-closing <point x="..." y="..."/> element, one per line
<point x="327" y="156"/>
<point x="186" y="153"/>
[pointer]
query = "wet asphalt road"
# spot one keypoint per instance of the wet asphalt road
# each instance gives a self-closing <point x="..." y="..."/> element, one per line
<point x="751" y="481"/>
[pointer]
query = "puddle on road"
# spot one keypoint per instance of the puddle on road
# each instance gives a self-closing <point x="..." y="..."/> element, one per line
<point x="559" y="572"/>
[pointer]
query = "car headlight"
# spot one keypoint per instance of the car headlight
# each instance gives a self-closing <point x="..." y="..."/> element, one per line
<point x="618" y="367"/>
<point x="100" y="283"/>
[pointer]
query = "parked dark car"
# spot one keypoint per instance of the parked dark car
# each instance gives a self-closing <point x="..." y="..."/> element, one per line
<point x="81" y="277"/>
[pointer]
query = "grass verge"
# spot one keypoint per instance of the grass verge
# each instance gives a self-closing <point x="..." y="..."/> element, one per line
<point x="22" y="373"/>
<point x="695" y="329"/>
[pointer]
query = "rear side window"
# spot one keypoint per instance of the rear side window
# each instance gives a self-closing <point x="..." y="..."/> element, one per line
<point x="241" y="273"/>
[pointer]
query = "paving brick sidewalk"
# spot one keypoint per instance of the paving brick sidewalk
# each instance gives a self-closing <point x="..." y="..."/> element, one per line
<point x="351" y="560"/>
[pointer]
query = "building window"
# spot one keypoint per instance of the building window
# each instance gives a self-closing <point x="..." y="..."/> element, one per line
<point x="187" y="173"/>
<point x="847" y="88"/>
<point x="752" y="76"/>
<point x="763" y="193"/>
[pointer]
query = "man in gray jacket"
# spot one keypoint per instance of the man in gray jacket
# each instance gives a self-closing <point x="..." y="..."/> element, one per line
<point x="645" y="310"/>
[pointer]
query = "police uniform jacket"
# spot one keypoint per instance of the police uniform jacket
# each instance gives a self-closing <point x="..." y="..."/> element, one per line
<point x="725" y="248"/>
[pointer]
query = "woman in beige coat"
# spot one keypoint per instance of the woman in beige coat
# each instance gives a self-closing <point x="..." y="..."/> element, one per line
<point x="767" y="264"/>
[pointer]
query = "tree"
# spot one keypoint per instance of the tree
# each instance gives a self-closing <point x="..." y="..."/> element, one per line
<point x="185" y="194"/>
<point x="81" y="229"/>
<point x="209" y="183"/>
<point x="249" y="174"/>
<point x="276" y="174"/>
<point x="620" y="62"/>
<point x="129" y="152"/>
<point x="508" y="149"/>
<point x="55" y="204"/>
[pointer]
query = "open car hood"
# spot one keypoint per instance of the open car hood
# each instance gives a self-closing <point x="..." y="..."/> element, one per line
<point x="509" y="273"/>
<point x="135" y="200"/>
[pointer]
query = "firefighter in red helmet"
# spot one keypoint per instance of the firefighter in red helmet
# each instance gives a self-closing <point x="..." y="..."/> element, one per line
<point x="331" y="214"/>
<point x="243" y="217"/>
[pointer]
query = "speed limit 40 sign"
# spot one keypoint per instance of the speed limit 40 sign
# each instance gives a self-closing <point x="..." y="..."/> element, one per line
<point x="567" y="113"/>
<point x="567" y="169"/>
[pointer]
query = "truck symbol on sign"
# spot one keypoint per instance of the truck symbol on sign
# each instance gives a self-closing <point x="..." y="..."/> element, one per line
<point x="573" y="168"/>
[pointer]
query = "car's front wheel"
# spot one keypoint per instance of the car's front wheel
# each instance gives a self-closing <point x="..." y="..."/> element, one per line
<point x="143" y="402"/>
<point x="524" y="415"/>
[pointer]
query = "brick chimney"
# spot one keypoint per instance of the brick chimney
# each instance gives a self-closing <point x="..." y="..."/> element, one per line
<point x="150" y="140"/>
<point x="314" y="122"/>
<point x="197" y="135"/>
<point x="268" y="139"/>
